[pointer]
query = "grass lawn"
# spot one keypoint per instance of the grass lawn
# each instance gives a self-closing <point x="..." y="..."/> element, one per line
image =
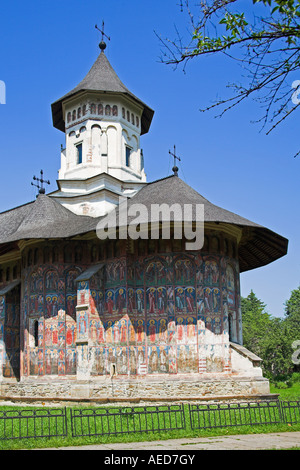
<point x="292" y="393"/>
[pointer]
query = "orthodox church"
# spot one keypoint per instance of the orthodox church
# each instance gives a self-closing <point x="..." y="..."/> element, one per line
<point x="120" y="319"/>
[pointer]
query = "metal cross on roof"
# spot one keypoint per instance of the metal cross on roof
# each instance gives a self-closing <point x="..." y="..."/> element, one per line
<point x="175" y="167"/>
<point x="42" y="181"/>
<point x="102" y="44"/>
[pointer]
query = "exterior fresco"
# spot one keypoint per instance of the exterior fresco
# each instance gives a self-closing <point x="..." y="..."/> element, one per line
<point x="166" y="313"/>
<point x="10" y="334"/>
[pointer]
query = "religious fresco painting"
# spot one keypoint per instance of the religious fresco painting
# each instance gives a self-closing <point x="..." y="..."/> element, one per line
<point x="156" y="314"/>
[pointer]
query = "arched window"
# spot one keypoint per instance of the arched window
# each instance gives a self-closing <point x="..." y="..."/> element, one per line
<point x="69" y="117"/>
<point x="132" y="118"/>
<point x="100" y="109"/>
<point x="7" y="274"/>
<point x="93" y="108"/>
<point x="137" y="121"/>
<point x="84" y="110"/>
<point x="78" y="113"/>
<point x="36" y="333"/>
<point x="115" y="110"/>
<point x="107" y="110"/>
<point x="74" y="115"/>
<point x="128" y="116"/>
<point x="123" y="113"/>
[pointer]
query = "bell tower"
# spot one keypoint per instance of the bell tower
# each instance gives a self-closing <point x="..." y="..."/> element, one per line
<point x="102" y="159"/>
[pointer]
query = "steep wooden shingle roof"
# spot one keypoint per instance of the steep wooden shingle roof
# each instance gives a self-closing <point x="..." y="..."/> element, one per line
<point x="102" y="78"/>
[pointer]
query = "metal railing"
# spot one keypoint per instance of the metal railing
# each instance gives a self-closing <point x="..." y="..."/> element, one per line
<point x="113" y="421"/>
<point x="203" y="416"/>
<point x="28" y="424"/>
<point x="291" y="411"/>
<point x="53" y="422"/>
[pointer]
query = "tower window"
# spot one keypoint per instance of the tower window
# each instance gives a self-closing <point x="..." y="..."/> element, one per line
<point x="128" y="154"/>
<point x="79" y="153"/>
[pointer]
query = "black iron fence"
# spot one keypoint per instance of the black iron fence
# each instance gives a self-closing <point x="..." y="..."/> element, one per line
<point x="125" y="420"/>
<point x="27" y="424"/>
<point x="291" y="411"/>
<point x="203" y="416"/>
<point x="56" y="422"/>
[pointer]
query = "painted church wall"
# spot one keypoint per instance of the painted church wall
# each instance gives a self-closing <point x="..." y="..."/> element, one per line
<point x="10" y="334"/>
<point x="142" y="314"/>
<point x="49" y="307"/>
<point x="163" y="314"/>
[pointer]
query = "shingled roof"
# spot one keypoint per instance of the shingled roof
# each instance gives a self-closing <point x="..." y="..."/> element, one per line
<point x="43" y="218"/>
<point x="259" y="246"/>
<point x="102" y="78"/>
<point x="47" y="218"/>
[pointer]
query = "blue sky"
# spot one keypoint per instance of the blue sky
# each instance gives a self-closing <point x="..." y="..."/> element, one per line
<point x="47" y="47"/>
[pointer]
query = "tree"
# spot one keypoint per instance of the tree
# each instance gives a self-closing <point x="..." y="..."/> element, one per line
<point x="267" y="47"/>
<point x="256" y="322"/>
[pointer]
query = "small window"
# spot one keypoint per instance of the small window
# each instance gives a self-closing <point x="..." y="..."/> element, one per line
<point x="78" y="113"/>
<point x="128" y="154"/>
<point x="84" y="110"/>
<point x="79" y="153"/>
<point x="36" y="334"/>
<point x="93" y="108"/>
<point x="107" y="110"/>
<point x="123" y="113"/>
<point x="74" y="115"/>
<point x="115" y="110"/>
<point x="69" y="117"/>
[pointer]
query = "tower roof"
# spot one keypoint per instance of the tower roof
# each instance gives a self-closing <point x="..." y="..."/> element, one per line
<point x="103" y="78"/>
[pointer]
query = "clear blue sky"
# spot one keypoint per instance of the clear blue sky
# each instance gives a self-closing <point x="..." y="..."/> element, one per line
<point x="47" y="47"/>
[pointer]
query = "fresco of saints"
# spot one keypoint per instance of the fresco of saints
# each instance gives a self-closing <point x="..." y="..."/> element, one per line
<point x="152" y="300"/>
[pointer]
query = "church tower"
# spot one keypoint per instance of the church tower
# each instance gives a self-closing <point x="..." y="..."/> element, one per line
<point x="102" y="159"/>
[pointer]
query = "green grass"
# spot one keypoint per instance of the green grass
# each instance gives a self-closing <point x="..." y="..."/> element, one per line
<point x="292" y="393"/>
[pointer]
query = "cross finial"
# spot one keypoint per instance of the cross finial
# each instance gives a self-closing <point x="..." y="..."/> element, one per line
<point x="175" y="167"/>
<point x="42" y="181"/>
<point x="102" y="44"/>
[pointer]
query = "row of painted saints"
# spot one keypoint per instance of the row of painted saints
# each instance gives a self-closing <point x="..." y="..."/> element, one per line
<point x="157" y="272"/>
<point x="156" y="300"/>
<point x="128" y="360"/>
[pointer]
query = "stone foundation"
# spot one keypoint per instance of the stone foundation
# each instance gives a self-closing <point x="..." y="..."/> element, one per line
<point x="158" y="389"/>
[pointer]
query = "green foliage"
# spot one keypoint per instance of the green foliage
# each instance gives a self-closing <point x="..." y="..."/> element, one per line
<point x="272" y="338"/>
<point x="263" y="38"/>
